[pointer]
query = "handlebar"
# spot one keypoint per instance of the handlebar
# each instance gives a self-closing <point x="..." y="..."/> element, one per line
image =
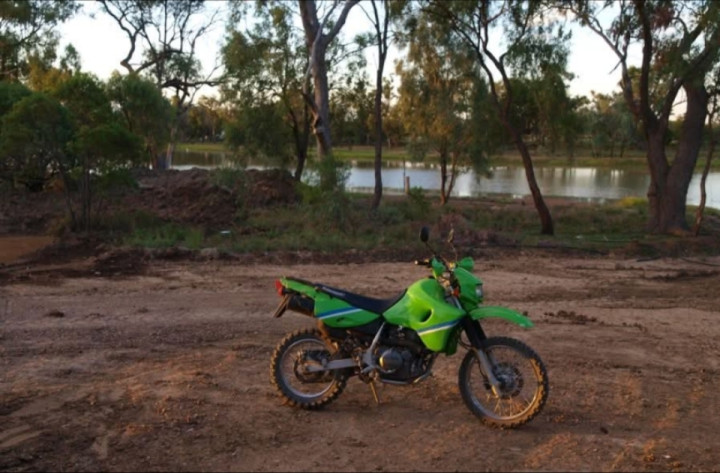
<point x="424" y="262"/>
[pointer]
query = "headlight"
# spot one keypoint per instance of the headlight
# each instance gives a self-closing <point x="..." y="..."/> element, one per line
<point x="479" y="291"/>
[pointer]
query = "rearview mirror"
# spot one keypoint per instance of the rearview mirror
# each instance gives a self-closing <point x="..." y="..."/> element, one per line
<point x="424" y="234"/>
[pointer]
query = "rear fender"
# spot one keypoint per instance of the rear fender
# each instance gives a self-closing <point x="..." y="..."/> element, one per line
<point x="294" y="285"/>
<point x="510" y="315"/>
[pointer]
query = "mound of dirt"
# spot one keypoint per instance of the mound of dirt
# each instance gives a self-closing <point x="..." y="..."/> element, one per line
<point x="270" y="187"/>
<point x="191" y="197"/>
<point x="29" y="212"/>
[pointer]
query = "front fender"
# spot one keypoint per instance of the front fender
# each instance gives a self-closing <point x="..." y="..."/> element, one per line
<point x="502" y="312"/>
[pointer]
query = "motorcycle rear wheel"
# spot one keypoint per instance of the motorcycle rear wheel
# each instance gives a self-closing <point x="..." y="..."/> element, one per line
<point x="523" y="378"/>
<point x="288" y="370"/>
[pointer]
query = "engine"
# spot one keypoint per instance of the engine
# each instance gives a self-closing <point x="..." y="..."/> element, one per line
<point x="403" y="357"/>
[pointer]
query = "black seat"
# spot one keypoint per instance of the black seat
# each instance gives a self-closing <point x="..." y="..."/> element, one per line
<point x="377" y="306"/>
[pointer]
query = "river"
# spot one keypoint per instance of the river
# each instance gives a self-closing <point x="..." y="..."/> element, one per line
<point x="587" y="183"/>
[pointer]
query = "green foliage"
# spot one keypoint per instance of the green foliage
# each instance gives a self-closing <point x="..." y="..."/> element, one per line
<point x="84" y="96"/>
<point x="108" y="145"/>
<point x="167" y="235"/>
<point x="235" y="179"/>
<point x="419" y="205"/>
<point x="441" y="98"/>
<point x="27" y="33"/>
<point x="33" y="139"/>
<point x="329" y="175"/>
<point x="11" y="93"/>
<point x="265" y="77"/>
<point x="144" y="111"/>
<point x="259" y="131"/>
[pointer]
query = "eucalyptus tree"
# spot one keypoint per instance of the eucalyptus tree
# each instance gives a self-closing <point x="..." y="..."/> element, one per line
<point x="27" y="30"/>
<point x="144" y="111"/>
<point x="10" y="94"/>
<point x="44" y="76"/>
<point x="439" y="88"/>
<point x="713" y="109"/>
<point x="611" y="125"/>
<point x="532" y="44"/>
<point x="205" y="119"/>
<point x="34" y="136"/>
<point x="384" y="13"/>
<point x="679" y="43"/>
<point x="100" y="143"/>
<point x="351" y="107"/>
<point x="265" y="78"/>
<point x="163" y="37"/>
<point x="321" y="29"/>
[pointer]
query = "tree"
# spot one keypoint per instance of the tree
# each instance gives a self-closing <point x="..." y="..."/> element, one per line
<point x="205" y="119"/>
<point x="103" y="148"/>
<point x="437" y="85"/>
<point x="534" y="43"/>
<point x="10" y="94"/>
<point x="99" y="143"/>
<point x="266" y="65"/>
<point x="145" y="112"/>
<point x="318" y="41"/>
<point x="610" y="125"/>
<point x="381" y="23"/>
<point x="168" y="31"/>
<point x="680" y="43"/>
<point x="33" y="138"/>
<point x="26" y="30"/>
<point x="43" y="76"/>
<point x="351" y="106"/>
<point x="258" y="131"/>
<point x="713" y="109"/>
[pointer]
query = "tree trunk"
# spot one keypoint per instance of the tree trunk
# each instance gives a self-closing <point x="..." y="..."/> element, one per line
<point x="546" y="222"/>
<point x="444" y="197"/>
<point x="377" y="195"/>
<point x="317" y="43"/>
<point x="85" y="195"/>
<point x="301" y="157"/>
<point x="669" y="184"/>
<point x="321" y="122"/>
<point x="706" y="170"/>
<point x="381" y="36"/>
<point x="301" y="133"/>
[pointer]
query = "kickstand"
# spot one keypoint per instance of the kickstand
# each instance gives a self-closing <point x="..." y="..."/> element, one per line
<point x="374" y="391"/>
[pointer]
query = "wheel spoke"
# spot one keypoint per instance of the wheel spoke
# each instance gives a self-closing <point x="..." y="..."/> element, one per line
<point x="522" y="389"/>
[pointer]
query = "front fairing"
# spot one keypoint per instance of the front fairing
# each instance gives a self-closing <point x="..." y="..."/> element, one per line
<point x="424" y="309"/>
<point x="468" y="283"/>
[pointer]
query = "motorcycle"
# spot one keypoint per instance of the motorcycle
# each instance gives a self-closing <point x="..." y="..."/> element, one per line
<point x="396" y="341"/>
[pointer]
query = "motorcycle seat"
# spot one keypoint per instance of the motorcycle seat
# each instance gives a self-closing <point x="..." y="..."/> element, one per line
<point x="376" y="306"/>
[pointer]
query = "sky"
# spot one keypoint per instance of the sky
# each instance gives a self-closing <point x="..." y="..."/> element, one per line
<point x="102" y="45"/>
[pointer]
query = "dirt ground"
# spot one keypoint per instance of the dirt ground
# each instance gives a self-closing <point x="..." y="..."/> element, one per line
<point x="112" y="363"/>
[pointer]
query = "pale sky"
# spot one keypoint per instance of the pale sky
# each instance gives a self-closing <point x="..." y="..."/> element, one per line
<point x="102" y="45"/>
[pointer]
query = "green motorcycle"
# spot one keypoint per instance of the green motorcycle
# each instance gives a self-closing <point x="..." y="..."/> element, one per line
<point x="396" y="341"/>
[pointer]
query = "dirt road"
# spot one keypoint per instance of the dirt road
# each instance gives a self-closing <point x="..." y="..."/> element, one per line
<point x="168" y="370"/>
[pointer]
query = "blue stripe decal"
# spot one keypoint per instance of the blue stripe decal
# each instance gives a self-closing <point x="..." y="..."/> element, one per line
<point x="437" y="328"/>
<point x="337" y="313"/>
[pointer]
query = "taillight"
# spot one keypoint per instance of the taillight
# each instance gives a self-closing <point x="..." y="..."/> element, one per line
<point x="279" y="287"/>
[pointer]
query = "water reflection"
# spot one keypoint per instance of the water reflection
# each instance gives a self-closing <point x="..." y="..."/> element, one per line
<point x="594" y="184"/>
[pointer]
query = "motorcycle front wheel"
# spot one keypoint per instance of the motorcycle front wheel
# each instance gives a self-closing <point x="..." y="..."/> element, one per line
<point x="289" y="372"/>
<point x="523" y="380"/>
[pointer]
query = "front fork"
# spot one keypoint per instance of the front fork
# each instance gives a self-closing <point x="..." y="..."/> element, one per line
<point x="476" y="336"/>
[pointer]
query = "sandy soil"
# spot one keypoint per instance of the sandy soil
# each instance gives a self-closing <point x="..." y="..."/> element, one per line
<point x="164" y="366"/>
